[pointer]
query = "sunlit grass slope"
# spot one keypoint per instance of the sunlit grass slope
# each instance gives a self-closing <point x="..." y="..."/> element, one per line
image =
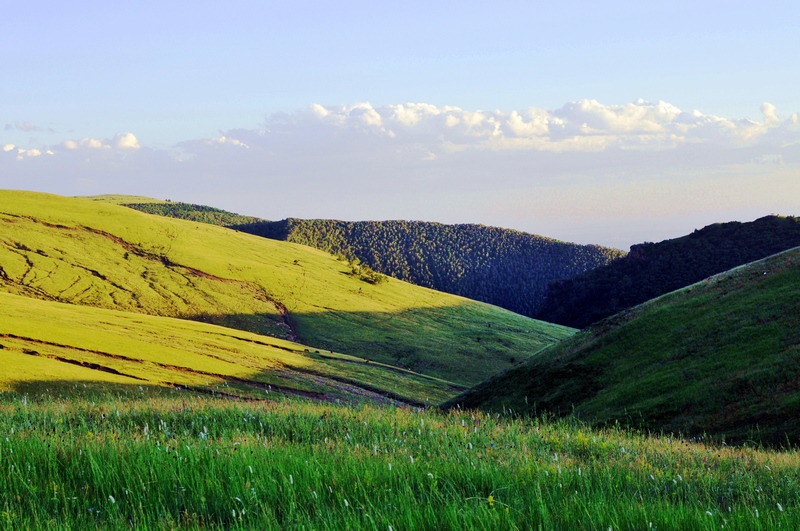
<point x="121" y="199"/>
<point x="56" y="346"/>
<point x="721" y="356"/>
<point x="97" y="254"/>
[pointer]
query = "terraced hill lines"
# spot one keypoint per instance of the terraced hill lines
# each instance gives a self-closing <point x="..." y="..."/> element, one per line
<point x="719" y="357"/>
<point x="50" y="344"/>
<point x="92" y="253"/>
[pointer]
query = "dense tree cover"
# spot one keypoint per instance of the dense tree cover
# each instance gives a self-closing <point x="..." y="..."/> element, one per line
<point x="507" y="268"/>
<point x="653" y="269"/>
<point x="504" y="267"/>
<point x="201" y="213"/>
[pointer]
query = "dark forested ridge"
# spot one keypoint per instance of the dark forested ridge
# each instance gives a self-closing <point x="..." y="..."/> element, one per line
<point x="508" y="268"/>
<point x="653" y="269"/>
<point x="503" y="267"/>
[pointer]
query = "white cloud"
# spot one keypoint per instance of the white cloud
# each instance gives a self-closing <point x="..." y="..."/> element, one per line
<point x="126" y="141"/>
<point x="223" y="140"/>
<point x="90" y="143"/>
<point x="23" y="154"/>
<point x="768" y="110"/>
<point x="585" y="125"/>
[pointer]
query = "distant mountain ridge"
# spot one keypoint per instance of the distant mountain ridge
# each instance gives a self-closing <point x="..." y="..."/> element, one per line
<point x="653" y="269"/>
<point x="504" y="267"/>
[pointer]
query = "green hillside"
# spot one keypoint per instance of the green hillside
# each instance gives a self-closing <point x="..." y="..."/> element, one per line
<point x="96" y="254"/>
<point x="653" y="269"/>
<point x="201" y="213"/>
<point x="508" y="268"/>
<point x="56" y="346"/>
<point x="720" y="357"/>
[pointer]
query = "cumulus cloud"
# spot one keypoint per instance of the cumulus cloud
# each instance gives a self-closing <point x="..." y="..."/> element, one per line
<point x="21" y="153"/>
<point x="585" y="125"/>
<point x="124" y="141"/>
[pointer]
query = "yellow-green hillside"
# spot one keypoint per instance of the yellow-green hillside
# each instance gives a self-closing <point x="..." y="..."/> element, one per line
<point x="52" y="345"/>
<point x="97" y="254"/>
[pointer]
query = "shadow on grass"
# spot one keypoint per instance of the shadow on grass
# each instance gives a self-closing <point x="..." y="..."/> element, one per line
<point x="461" y="344"/>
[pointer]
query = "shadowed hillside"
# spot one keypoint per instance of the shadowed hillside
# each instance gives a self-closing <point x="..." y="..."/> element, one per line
<point x="508" y="268"/>
<point x="652" y="269"/>
<point x="720" y="357"/>
<point x="53" y="345"/>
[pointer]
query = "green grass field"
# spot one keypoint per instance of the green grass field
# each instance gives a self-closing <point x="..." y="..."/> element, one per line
<point x="115" y="414"/>
<point x="57" y="346"/>
<point x="147" y="460"/>
<point x="92" y="253"/>
<point x="719" y="357"/>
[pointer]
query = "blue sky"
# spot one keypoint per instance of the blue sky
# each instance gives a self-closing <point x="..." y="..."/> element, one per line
<point x="597" y="122"/>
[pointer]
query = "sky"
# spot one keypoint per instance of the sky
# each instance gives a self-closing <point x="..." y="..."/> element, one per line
<point x="609" y="123"/>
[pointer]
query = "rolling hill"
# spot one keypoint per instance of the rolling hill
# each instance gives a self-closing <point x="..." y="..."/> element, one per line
<point x="720" y="357"/>
<point x="653" y="269"/>
<point x="56" y="347"/>
<point x="508" y="268"/>
<point x="97" y="254"/>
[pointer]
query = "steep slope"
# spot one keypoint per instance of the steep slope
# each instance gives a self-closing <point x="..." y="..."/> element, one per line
<point x="56" y="346"/>
<point x="508" y="268"/>
<point x="720" y="357"/>
<point x="652" y="269"/>
<point x="91" y="253"/>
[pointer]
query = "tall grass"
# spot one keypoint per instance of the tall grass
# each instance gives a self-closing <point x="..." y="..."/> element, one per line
<point x="169" y="460"/>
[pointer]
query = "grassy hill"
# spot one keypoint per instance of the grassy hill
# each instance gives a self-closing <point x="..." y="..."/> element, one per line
<point x="92" y="253"/>
<point x="653" y="269"/>
<point x="508" y="268"/>
<point x="720" y="357"/>
<point x="56" y="347"/>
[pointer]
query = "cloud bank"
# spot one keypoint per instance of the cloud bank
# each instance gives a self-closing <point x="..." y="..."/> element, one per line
<point x="586" y="172"/>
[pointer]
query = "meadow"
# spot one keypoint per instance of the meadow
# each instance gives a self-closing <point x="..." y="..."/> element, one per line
<point x="50" y="345"/>
<point x="143" y="458"/>
<point x="90" y="253"/>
